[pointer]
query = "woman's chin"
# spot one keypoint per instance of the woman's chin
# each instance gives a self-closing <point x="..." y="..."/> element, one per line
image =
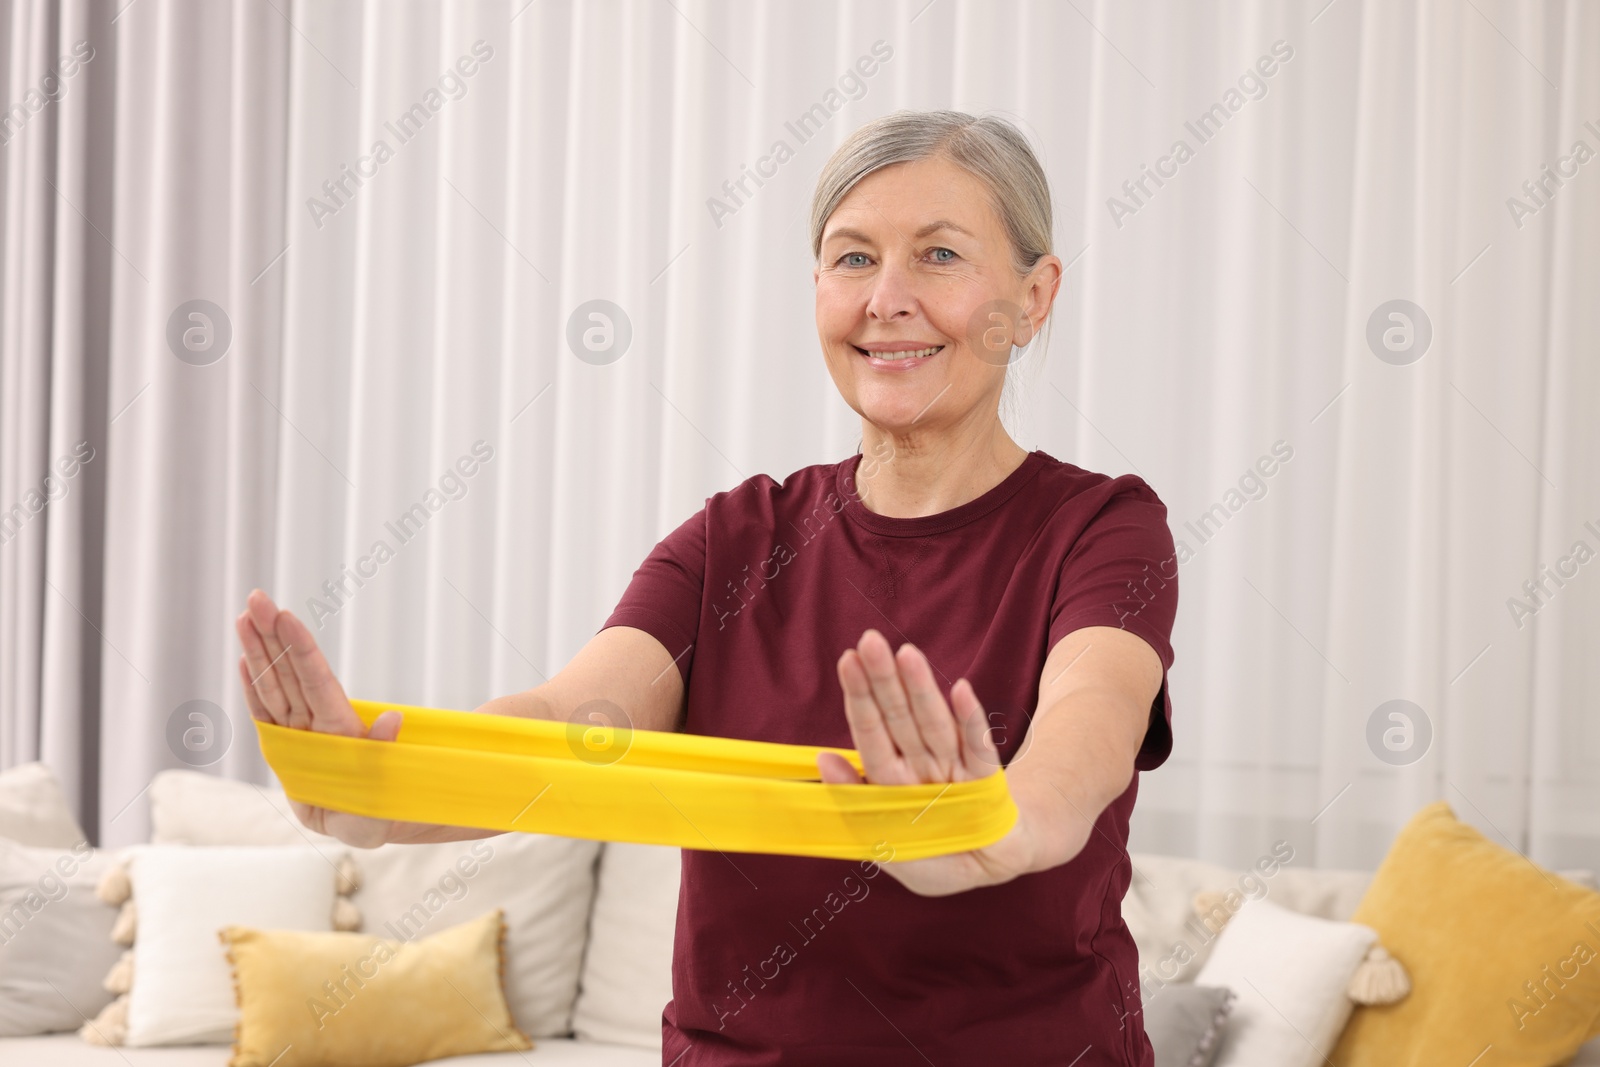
<point x="900" y="411"/>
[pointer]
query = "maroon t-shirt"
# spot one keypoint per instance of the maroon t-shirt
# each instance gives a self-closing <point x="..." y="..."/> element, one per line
<point x="792" y="960"/>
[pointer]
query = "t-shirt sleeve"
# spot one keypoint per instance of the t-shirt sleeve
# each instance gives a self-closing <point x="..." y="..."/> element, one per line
<point x="1122" y="571"/>
<point x="664" y="596"/>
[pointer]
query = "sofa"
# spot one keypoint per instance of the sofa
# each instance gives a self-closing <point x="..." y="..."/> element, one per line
<point x="596" y="922"/>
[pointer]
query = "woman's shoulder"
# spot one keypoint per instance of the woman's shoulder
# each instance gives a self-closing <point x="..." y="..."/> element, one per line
<point x="816" y="480"/>
<point x="762" y="502"/>
<point x="1065" y="482"/>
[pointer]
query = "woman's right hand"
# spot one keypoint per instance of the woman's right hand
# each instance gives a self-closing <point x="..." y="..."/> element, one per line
<point x="287" y="681"/>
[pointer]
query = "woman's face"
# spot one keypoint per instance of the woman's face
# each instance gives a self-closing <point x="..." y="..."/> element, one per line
<point x="914" y="258"/>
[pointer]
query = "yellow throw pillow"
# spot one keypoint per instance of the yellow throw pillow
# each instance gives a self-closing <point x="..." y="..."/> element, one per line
<point x="1504" y="956"/>
<point x="345" y="998"/>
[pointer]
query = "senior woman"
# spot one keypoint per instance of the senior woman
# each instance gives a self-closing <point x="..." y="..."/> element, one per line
<point x="984" y="609"/>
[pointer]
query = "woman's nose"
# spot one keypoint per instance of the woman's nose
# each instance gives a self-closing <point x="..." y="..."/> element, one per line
<point x="893" y="294"/>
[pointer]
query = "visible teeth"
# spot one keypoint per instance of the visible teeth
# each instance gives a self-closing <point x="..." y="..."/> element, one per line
<point x="906" y="355"/>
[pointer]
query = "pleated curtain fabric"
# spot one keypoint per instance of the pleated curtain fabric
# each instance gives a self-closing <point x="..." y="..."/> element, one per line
<point x="491" y="296"/>
<point x="58" y="275"/>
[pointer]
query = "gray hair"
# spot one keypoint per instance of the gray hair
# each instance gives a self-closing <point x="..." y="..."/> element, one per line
<point x="989" y="147"/>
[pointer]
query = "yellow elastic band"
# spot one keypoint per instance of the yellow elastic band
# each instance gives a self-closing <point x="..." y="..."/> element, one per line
<point x="501" y="772"/>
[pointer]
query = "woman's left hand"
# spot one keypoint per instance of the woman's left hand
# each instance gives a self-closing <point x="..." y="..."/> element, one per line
<point x="906" y="734"/>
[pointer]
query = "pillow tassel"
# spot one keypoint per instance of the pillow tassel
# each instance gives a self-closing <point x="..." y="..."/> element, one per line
<point x="120" y="978"/>
<point x="1380" y="979"/>
<point x="1210" y="906"/>
<point x="110" y="1027"/>
<point x="346" y="916"/>
<point x="114" y="887"/>
<point x="223" y="935"/>
<point x="122" y="931"/>
<point x="348" y="879"/>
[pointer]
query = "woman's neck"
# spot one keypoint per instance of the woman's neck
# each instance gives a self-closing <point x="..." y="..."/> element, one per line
<point x="909" y="478"/>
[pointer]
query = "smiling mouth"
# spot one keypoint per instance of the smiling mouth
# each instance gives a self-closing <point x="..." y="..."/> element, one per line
<point x="912" y="355"/>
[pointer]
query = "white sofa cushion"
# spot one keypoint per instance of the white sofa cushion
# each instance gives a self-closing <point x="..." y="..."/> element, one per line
<point x="34" y="810"/>
<point x="627" y="970"/>
<point x="182" y="987"/>
<point x="1289" y="973"/>
<point x="55" y="938"/>
<point x="1173" y="945"/>
<point x="544" y="884"/>
<point x="1159" y="906"/>
<point x="195" y="808"/>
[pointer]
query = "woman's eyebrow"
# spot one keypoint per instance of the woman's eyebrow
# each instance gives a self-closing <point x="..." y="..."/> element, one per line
<point x="846" y="233"/>
<point x="945" y="224"/>
<point x="932" y="227"/>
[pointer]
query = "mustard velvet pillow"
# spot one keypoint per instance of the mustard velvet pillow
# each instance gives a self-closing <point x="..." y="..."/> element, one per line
<point x="1504" y="956"/>
<point x="347" y="998"/>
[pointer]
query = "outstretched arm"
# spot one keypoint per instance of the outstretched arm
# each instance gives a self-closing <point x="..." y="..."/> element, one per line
<point x="1095" y="696"/>
<point x="621" y="673"/>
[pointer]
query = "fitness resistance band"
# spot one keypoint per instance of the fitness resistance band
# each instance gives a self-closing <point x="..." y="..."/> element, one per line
<point x="503" y="772"/>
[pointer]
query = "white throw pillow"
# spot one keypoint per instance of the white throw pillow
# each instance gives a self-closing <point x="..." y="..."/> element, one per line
<point x="1159" y="906"/>
<point x="195" y="808"/>
<point x="627" y="970"/>
<point x="1174" y="944"/>
<point x="182" y="989"/>
<point x="545" y="884"/>
<point x="55" y="938"/>
<point x="1289" y="972"/>
<point x="1159" y="911"/>
<point x="33" y="809"/>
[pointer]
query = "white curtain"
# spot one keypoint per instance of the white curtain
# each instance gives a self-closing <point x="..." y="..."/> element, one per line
<point x="399" y="317"/>
<point x="1230" y="313"/>
<point x="57" y="278"/>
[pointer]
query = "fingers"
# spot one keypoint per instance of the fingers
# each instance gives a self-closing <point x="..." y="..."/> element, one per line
<point x="328" y="706"/>
<point x="904" y="729"/>
<point x="288" y="673"/>
<point x="879" y="756"/>
<point x="261" y="679"/>
<point x="264" y="618"/>
<point x="836" y="770"/>
<point x="386" y="727"/>
<point x="258" y="710"/>
<point x="883" y="674"/>
<point x="979" y="756"/>
<point x="935" y="725"/>
<point x="913" y="707"/>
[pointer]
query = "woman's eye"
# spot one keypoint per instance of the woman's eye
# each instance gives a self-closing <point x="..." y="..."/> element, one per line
<point x="861" y="259"/>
